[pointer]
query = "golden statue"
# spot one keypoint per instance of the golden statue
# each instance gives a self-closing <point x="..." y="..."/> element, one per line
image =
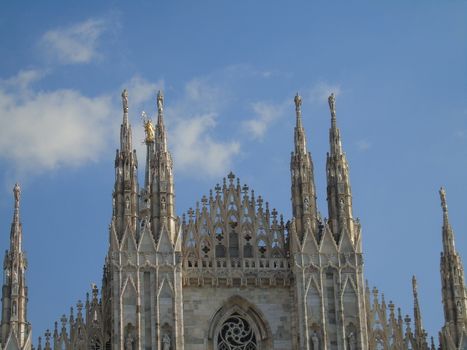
<point x="148" y="128"/>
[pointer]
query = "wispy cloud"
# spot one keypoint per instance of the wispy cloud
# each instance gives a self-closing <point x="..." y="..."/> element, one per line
<point x="321" y="91"/>
<point x="363" y="145"/>
<point x="48" y="129"/>
<point x="142" y="90"/>
<point x="265" y="114"/>
<point x="460" y="134"/>
<point x="77" y="43"/>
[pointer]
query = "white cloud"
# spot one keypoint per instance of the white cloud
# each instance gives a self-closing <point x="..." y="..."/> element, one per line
<point x="192" y="120"/>
<point x="45" y="130"/>
<point x="363" y="145"/>
<point x="196" y="151"/>
<point x="321" y="91"/>
<point x="74" y="44"/>
<point x="265" y="115"/>
<point x="48" y="129"/>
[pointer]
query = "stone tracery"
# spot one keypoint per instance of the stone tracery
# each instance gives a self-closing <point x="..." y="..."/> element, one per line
<point x="236" y="334"/>
<point x="232" y="228"/>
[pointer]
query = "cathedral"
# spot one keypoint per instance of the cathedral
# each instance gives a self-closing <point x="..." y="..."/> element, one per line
<point x="232" y="273"/>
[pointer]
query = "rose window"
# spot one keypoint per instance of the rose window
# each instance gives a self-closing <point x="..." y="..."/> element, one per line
<point x="236" y="334"/>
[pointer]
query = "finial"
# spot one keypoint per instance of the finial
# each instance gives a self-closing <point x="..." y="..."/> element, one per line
<point x="298" y="102"/>
<point x="332" y="104"/>
<point x="63" y="320"/>
<point x="17" y="194"/>
<point x="204" y="201"/>
<point x="442" y="195"/>
<point x="160" y="102"/>
<point x="298" y="112"/>
<point x="95" y="291"/>
<point x="231" y="177"/>
<point x="125" y="101"/>
<point x="79" y="306"/>
<point x="148" y="128"/>
<point x="47" y="336"/>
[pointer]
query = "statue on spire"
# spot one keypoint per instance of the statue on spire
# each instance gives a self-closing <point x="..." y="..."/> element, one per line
<point x="125" y="100"/>
<point x="332" y="103"/>
<point x="160" y="102"/>
<point x="442" y="195"/>
<point x="17" y="194"/>
<point x="298" y="102"/>
<point x="148" y="127"/>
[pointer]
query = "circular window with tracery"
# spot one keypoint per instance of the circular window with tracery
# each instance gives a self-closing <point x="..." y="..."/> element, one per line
<point x="236" y="334"/>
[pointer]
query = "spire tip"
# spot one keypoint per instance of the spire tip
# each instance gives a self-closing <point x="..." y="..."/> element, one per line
<point x="160" y="101"/>
<point x="298" y="101"/>
<point x="442" y="195"/>
<point x="414" y="284"/>
<point x="125" y="100"/>
<point x="332" y="104"/>
<point x="17" y="194"/>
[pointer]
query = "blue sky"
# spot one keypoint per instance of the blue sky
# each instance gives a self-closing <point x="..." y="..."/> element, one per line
<point x="229" y="71"/>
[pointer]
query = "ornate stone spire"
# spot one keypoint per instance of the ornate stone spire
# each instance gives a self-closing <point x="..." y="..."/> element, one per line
<point x="300" y="138"/>
<point x="420" y="335"/>
<point x="126" y="180"/>
<point x="160" y="106"/>
<point x="303" y="182"/>
<point x="448" y="235"/>
<point x="16" y="231"/>
<point x="334" y="136"/>
<point x="163" y="197"/>
<point x="162" y="137"/>
<point x="453" y="286"/>
<point x="125" y="129"/>
<point x="14" y="292"/>
<point x="338" y="179"/>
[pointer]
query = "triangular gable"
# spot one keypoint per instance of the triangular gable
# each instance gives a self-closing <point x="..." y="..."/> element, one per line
<point x="113" y="237"/>
<point x="328" y="244"/>
<point x="345" y="242"/>
<point x="179" y="238"/>
<point x="165" y="244"/>
<point x="146" y="242"/>
<point x="128" y="240"/>
<point x="12" y="342"/>
<point x="349" y="286"/>
<point x="313" y="283"/>
<point x="309" y="245"/>
<point x="129" y="287"/>
<point x="166" y="288"/>
<point x="295" y="242"/>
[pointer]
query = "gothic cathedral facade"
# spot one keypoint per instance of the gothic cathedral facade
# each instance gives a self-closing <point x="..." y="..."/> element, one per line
<point x="232" y="273"/>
